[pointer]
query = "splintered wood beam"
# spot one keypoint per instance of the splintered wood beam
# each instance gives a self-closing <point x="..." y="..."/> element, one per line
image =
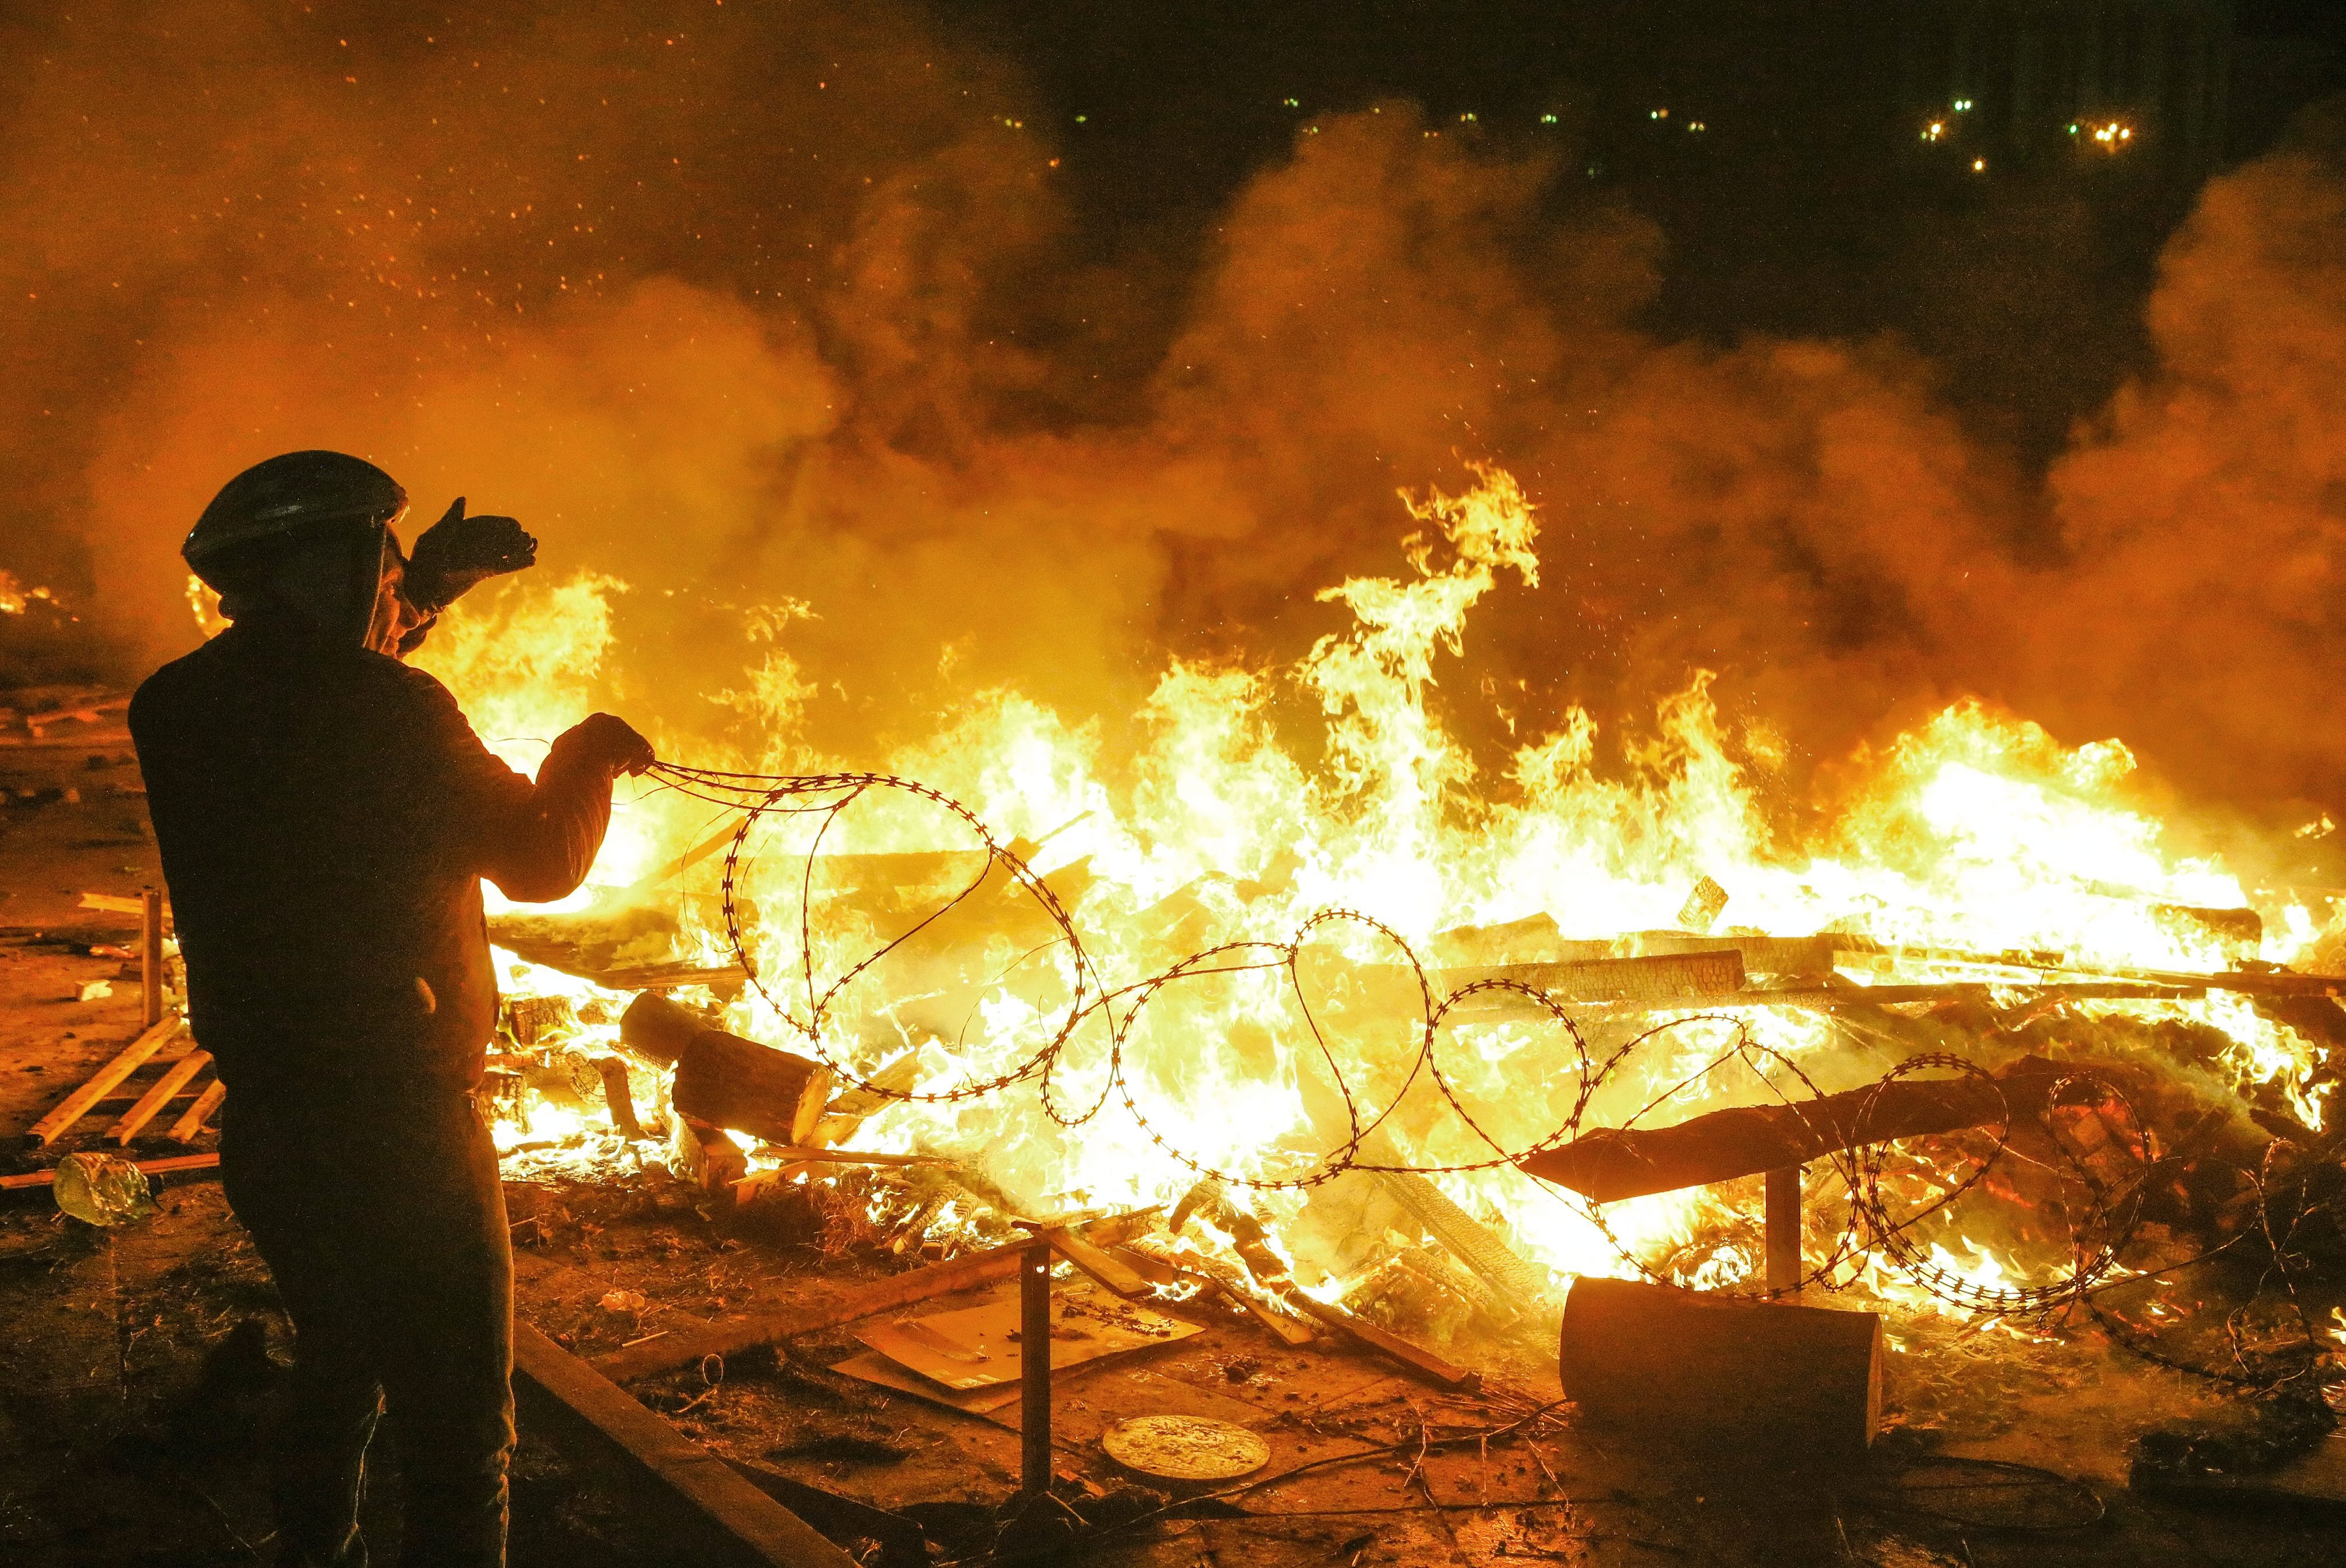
<point x="1617" y="1162"/>
<point x="1518" y="1285"/>
<point x="113" y="904"/>
<point x="1828" y="998"/>
<point x="76" y="1105"/>
<point x="853" y="1107"/>
<point x="772" y="1532"/>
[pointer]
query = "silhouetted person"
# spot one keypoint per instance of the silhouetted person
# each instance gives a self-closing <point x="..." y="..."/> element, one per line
<point x="325" y="815"/>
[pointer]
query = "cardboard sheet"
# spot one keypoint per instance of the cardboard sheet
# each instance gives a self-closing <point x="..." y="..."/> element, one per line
<point x="977" y="1347"/>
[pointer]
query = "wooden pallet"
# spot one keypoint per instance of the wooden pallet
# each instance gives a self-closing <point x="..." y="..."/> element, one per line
<point x="177" y="1081"/>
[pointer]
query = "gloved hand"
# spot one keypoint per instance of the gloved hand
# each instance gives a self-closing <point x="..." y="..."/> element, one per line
<point x="608" y="742"/>
<point x="459" y="552"/>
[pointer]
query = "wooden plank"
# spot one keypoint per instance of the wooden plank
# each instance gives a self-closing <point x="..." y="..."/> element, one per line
<point x="90" y="738"/>
<point x="1516" y="1285"/>
<point x="1287" y="1330"/>
<point x="1034" y="1369"/>
<point x="150" y="957"/>
<point x="1661" y="977"/>
<point x="1826" y="999"/>
<point x="1118" y="1277"/>
<point x="191" y="1124"/>
<point x="618" y="1097"/>
<point x="165" y="1166"/>
<point x="773" y="1532"/>
<point x="1152" y="1268"/>
<point x="965" y="1273"/>
<point x="128" y="1094"/>
<point x="688" y="1345"/>
<point x="1818" y="954"/>
<point x="853" y="1107"/>
<point x="1782" y="1235"/>
<point x="1416" y="1358"/>
<point x="76" y="1105"/>
<point x="838" y="1517"/>
<point x="112" y="904"/>
<point x="815" y="1154"/>
<point x="718" y="977"/>
<point x="153" y="1101"/>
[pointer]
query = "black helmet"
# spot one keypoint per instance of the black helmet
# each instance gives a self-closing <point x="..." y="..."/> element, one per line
<point x="285" y="500"/>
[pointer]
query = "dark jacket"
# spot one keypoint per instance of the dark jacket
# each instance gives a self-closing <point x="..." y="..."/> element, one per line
<point x="325" y="815"/>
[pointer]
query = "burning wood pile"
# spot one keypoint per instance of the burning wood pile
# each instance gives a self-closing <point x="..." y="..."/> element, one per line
<point x="1374" y="1056"/>
<point x="2106" y="1146"/>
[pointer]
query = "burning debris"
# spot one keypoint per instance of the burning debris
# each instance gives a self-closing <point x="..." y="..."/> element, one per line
<point x="2029" y="1063"/>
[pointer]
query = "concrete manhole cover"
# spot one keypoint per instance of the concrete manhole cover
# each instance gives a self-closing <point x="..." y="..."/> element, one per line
<point x="1186" y="1448"/>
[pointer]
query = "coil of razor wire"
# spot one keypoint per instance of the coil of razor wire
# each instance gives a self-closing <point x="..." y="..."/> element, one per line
<point x="2100" y="1231"/>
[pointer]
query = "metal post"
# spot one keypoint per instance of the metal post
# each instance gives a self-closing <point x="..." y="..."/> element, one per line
<point x="1783" y="1229"/>
<point x="1035" y="1369"/>
<point x="150" y="955"/>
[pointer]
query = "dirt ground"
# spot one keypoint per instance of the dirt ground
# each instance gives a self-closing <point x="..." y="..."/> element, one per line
<point x="140" y="1363"/>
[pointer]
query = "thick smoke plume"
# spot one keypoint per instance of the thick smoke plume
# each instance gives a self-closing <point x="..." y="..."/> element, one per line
<point x="786" y="321"/>
<point x="2205" y="515"/>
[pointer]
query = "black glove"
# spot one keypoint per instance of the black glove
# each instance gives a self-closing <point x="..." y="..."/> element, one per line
<point x="607" y="742"/>
<point x="458" y="553"/>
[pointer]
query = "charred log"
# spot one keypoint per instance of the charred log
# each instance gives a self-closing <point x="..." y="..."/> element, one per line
<point x="1613" y="1164"/>
<point x="725" y="1079"/>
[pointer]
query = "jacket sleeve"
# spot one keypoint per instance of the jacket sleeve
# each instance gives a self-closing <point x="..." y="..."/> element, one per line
<point x="536" y="840"/>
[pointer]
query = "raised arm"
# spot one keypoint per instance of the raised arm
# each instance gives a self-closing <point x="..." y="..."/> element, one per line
<point x="536" y="841"/>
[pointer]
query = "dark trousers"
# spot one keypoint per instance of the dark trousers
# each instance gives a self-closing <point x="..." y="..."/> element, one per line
<point x="383" y="1221"/>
